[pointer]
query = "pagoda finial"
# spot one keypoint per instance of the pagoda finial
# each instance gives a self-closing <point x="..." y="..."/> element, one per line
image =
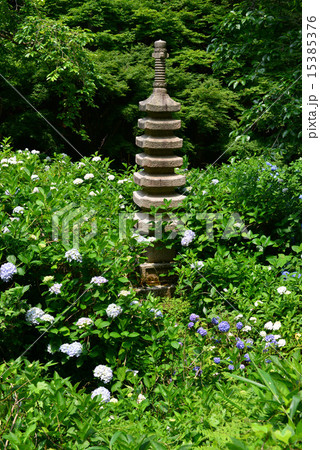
<point x="160" y="54"/>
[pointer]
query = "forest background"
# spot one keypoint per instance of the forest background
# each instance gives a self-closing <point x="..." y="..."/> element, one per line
<point x="85" y="65"/>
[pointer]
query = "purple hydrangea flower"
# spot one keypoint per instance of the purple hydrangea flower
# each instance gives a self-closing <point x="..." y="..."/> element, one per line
<point x="240" y="345"/>
<point x="215" y="320"/>
<point x="239" y="325"/>
<point x="202" y="331"/>
<point x="268" y="361"/>
<point x="194" y="317"/>
<point x="224" y="326"/>
<point x="216" y="360"/>
<point x="247" y="357"/>
<point x="242" y="366"/>
<point x="231" y="367"/>
<point x="190" y="324"/>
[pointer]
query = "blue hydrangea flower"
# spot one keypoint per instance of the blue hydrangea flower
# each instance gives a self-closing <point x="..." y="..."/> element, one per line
<point x="249" y="343"/>
<point x="7" y="271"/>
<point x="216" y="360"/>
<point x="294" y="274"/>
<point x="285" y="274"/>
<point x="190" y="324"/>
<point x="202" y="331"/>
<point x="194" y="317"/>
<point x="239" y="325"/>
<point x="268" y="361"/>
<point x="242" y="366"/>
<point x="198" y="370"/>
<point x="247" y="357"/>
<point x="270" y="338"/>
<point x="224" y="326"/>
<point x="215" y="320"/>
<point x="240" y="345"/>
<point x="231" y="367"/>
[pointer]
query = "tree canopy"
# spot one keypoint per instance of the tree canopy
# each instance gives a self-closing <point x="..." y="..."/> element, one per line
<point x="85" y="65"/>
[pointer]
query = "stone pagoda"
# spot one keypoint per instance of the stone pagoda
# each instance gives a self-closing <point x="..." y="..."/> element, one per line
<point x="157" y="179"/>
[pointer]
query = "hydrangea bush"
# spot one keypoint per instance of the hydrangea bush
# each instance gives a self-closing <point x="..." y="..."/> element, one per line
<point x="68" y="283"/>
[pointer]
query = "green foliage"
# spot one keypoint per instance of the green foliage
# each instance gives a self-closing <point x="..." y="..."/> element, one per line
<point x="167" y="389"/>
<point x="257" y="51"/>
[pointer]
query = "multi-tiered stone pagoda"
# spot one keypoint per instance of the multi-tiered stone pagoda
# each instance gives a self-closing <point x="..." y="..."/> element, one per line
<point x="158" y="180"/>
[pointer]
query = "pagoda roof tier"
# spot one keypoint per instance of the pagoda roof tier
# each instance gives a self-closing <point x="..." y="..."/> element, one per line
<point x="149" y="123"/>
<point x="152" y="180"/>
<point x="146" y="201"/>
<point x="159" y="142"/>
<point x="145" y="160"/>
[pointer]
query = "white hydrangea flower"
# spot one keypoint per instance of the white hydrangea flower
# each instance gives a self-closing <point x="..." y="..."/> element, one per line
<point x="188" y="237"/>
<point x="276" y="326"/>
<point x="111" y="177"/>
<point x="47" y="318"/>
<point x="33" y="314"/>
<point x="214" y="181"/>
<point x="96" y="158"/>
<point x="263" y="333"/>
<point x="134" y="302"/>
<point x="5" y="230"/>
<point x="268" y="326"/>
<point x="238" y="317"/>
<point x="49" y="349"/>
<point x="34" y="177"/>
<point x="105" y="394"/>
<point x="104" y="373"/>
<point x="124" y="293"/>
<point x="74" y="349"/>
<point x="287" y="292"/>
<point x="277" y="336"/>
<point x="197" y="265"/>
<point x="98" y="280"/>
<point x="113" y="400"/>
<point x="78" y="181"/>
<point x="18" y="210"/>
<point x="35" y="190"/>
<point x="73" y="255"/>
<point x="281" y="290"/>
<point x="93" y="194"/>
<point x="113" y="310"/>
<point x="81" y="164"/>
<point x="281" y="342"/>
<point x="253" y="319"/>
<point x="204" y="192"/>
<point x="55" y="289"/>
<point x="258" y="302"/>
<point x="88" y="176"/>
<point x="141" y="398"/>
<point x="35" y="152"/>
<point x="48" y="278"/>
<point x="247" y="328"/>
<point x="84" y="322"/>
<point x="120" y="196"/>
